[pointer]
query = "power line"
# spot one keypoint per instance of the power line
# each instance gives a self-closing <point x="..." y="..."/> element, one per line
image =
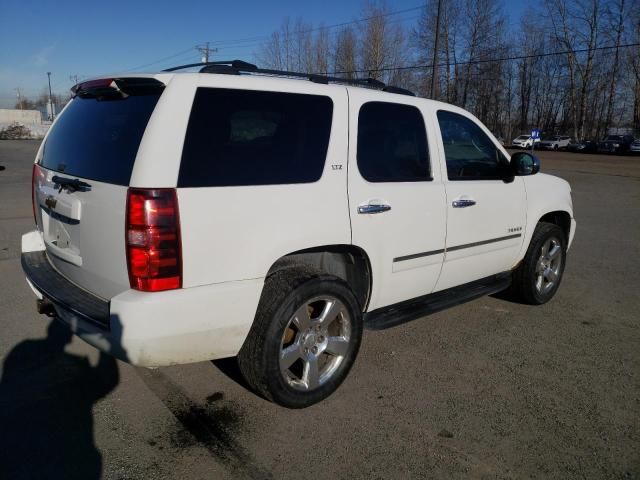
<point x="314" y="29"/>
<point x="241" y="46"/>
<point x="243" y="42"/>
<point x="162" y="59"/>
<point x="484" y="60"/>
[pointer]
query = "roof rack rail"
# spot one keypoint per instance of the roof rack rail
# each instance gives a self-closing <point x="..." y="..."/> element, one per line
<point x="398" y="90"/>
<point x="237" y="64"/>
<point x="235" y="67"/>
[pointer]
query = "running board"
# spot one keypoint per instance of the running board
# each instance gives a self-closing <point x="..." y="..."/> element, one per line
<point x="403" y="312"/>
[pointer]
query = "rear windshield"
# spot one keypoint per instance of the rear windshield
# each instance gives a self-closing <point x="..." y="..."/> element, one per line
<point x="99" y="139"/>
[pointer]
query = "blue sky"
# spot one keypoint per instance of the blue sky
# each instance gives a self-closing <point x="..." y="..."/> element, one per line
<point x="88" y="38"/>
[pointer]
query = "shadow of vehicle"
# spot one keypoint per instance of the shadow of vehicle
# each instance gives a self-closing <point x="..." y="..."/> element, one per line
<point x="229" y="367"/>
<point x="46" y="401"/>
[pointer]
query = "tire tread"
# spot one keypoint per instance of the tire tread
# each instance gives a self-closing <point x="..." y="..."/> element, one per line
<point x="521" y="286"/>
<point x="253" y="359"/>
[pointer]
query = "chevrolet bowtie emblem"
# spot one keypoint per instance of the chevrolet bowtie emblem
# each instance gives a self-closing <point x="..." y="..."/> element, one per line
<point x="51" y="202"/>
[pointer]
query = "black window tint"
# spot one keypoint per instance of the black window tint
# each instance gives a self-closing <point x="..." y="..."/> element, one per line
<point x="392" y="143"/>
<point x="244" y="137"/>
<point x="99" y="139"/>
<point x="470" y="153"/>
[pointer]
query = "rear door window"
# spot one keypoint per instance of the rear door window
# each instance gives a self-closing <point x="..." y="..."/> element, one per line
<point x="247" y="137"/>
<point x="392" y="143"/>
<point x="98" y="139"/>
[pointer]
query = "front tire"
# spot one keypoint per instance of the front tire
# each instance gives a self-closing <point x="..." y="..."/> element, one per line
<point x="304" y="340"/>
<point x="538" y="277"/>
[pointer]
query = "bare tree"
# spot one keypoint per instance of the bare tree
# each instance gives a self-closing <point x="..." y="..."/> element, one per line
<point x="423" y="37"/>
<point x="583" y="91"/>
<point x="576" y="26"/>
<point x="302" y="47"/>
<point x="397" y="47"/>
<point x="277" y="52"/>
<point x="374" y="33"/>
<point x="25" y="104"/>
<point x="616" y="13"/>
<point x="321" y="48"/>
<point x="345" y="59"/>
<point x="633" y="59"/>
<point x="482" y="34"/>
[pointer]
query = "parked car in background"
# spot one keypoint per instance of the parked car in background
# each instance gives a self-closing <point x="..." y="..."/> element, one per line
<point x="583" y="146"/>
<point x="524" y="141"/>
<point x="615" y="144"/>
<point x="554" y="143"/>
<point x="635" y="147"/>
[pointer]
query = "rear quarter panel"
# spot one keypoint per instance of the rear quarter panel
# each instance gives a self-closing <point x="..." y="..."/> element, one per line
<point x="237" y="233"/>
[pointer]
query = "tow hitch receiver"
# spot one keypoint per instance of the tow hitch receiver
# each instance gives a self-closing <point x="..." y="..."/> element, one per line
<point x="45" y="307"/>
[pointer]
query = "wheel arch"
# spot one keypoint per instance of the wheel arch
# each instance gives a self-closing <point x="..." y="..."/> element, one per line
<point x="561" y="218"/>
<point x="348" y="262"/>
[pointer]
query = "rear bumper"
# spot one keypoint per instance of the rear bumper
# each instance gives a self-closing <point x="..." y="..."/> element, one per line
<point x="150" y="329"/>
<point x="63" y="293"/>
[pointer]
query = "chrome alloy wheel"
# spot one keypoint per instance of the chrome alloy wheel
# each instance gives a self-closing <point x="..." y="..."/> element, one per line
<point x="315" y="342"/>
<point x="549" y="265"/>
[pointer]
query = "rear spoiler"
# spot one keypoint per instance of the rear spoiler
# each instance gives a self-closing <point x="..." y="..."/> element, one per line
<point x="117" y="88"/>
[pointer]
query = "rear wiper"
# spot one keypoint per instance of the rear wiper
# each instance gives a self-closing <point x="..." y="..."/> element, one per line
<point x="71" y="185"/>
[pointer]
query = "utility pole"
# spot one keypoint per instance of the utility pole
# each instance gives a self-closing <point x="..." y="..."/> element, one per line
<point x="50" y="95"/>
<point x="19" y="94"/>
<point x="434" y="69"/>
<point x="205" y="51"/>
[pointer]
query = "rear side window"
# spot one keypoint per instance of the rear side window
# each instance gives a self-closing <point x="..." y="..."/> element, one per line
<point x="392" y="143"/>
<point x="246" y="137"/>
<point x="98" y="139"/>
<point x="470" y="153"/>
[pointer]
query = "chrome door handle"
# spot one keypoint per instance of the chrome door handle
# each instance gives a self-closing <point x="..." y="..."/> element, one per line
<point x="373" y="208"/>
<point x="463" y="203"/>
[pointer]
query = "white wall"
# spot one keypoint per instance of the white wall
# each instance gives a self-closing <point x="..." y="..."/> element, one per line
<point x="26" y="117"/>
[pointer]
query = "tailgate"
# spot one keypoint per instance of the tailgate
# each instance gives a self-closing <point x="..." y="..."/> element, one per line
<point x="83" y="232"/>
<point x="81" y="181"/>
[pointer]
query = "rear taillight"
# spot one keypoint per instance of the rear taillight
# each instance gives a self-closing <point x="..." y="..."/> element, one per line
<point x="33" y="192"/>
<point x="153" y="239"/>
<point x="36" y="177"/>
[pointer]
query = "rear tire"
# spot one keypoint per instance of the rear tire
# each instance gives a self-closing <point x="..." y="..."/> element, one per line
<point x="304" y="339"/>
<point x="537" y="278"/>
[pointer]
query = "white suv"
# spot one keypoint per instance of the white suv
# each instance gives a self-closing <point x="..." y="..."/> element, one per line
<point x="524" y="141"/>
<point x="184" y="217"/>
<point x="554" y="143"/>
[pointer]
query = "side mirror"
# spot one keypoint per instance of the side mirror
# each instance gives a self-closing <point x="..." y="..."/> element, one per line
<point x="523" y="163"/>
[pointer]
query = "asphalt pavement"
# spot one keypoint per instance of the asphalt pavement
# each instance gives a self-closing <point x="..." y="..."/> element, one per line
<point x="489" y="389"/>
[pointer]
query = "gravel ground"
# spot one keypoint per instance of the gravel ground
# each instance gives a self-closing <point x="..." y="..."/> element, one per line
<point x="489" y="389"/>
